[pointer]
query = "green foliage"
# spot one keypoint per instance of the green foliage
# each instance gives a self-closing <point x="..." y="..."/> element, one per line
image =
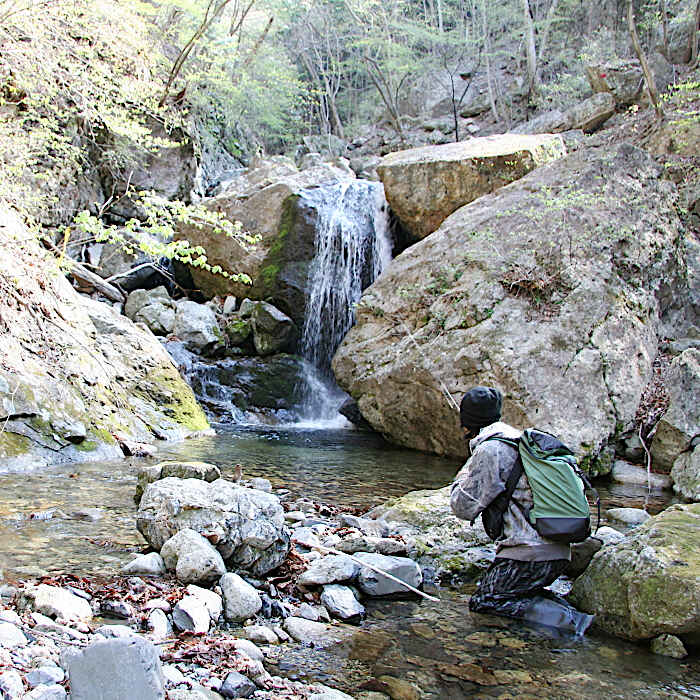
<point x="154" y="234"/>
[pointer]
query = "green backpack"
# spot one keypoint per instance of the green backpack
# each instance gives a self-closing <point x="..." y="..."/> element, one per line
<point x="560" y="511"/>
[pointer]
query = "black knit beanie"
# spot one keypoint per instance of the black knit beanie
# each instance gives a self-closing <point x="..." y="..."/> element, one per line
<point x="480" y="407"/>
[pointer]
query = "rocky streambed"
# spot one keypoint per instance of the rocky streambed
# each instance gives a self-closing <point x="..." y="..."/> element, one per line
<point x="298" y="630"/>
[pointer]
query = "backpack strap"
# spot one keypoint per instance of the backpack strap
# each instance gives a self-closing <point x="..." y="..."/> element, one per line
<point x="500" y="503"/>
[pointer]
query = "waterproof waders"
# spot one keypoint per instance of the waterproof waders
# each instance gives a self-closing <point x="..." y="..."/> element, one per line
<point x="516" y="589"/>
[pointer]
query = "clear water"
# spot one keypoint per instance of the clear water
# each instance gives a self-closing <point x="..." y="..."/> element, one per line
<point x="441" y="649"/>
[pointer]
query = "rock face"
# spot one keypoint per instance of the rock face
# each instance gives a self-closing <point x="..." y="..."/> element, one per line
<point x="263" y="199"/>
<point x="425" y="185"/>
<point x="247" y="526"/>
<point x="587" y="116"/>
<point x="686" y="475"/>
<point x="681" y="422"/>
<point x="624" y="80"/>
<point x="70" y="384"/>
<point x="649" y="583"/>
<point x="529" y="289"/>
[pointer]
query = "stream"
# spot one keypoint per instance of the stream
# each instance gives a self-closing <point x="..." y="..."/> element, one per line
<point x="437" y="650"/>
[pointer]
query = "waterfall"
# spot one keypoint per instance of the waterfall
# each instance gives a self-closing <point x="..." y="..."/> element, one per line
<point x="353" y="245"/>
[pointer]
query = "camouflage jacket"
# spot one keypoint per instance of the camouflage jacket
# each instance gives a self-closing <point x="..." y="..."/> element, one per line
<point x="482" y="478"/>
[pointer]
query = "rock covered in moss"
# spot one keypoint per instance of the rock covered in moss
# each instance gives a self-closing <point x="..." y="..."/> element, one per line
<point x="669" y="645"/>
<point x="245" y="525"/>
<point x="649" y="583"/>
<point x="436" y="537"/>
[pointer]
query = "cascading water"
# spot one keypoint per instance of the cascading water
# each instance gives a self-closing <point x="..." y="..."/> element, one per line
<point x="353" y="246"/>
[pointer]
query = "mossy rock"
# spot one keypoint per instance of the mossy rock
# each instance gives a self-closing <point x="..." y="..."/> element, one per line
<point x="649" y="583"/>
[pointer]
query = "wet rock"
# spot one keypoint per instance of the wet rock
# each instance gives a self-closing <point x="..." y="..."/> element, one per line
<point x="247" y="525"/>
<point x="330" y="569"/>
<point x="647" y="584"/>
<point x="625" y="473"/>
<point x="679" y="425"/>
<point x="98" y="672"/>
<point x="196" y="326"/>
<point x="686" y="475"/>
<point x="340" y="602"/>
<point x="306" y="631"/>
<point x="272" y="330"/>
<point x="117" y="608"/>
<point x="146" y="564"/>
<point x="238" y="331"/>
<point x="425" y="185"/>
<point x="236" y="685"/>
<point x="668" y="645"/>
<point x="241" y="600"/>
<point x="629" y="516"/>
<point x="11" y="636"/>
<point x="58" y="603"/>
<point x="399" y="689"/>
<point x="191" y="615"/>
<point x="375" y="584"/>
<point x="193" y="558"/>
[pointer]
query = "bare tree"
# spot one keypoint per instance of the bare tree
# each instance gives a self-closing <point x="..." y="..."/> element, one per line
<point x="213" y="11"/>
<point x="694" y="36"/>
<point x="648" y="77"/>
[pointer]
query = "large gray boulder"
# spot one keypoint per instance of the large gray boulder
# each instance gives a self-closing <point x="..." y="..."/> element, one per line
<point x="246" y="525"/>
<point x="196" y="326"/>
<point x="272" y="330"/>
<point x="531" y="289"/>
<point x="588" y="116"/>
<point x="681" y="422"/>
<point x="649" y="583"/>
<point x="181" y="470"/>
<point x="141" y="298"/>
<point x="425" y="185"/>
<point x="115" y="669"/>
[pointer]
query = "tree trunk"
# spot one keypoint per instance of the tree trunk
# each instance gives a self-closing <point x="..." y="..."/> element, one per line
<point x="664" y="25"/>
<point x="545" y="37"/>
<point x="648" y="77"/>
<point x="487" y="50"/>
<point x="694" y="37"/>
<point x="530" y="49"/>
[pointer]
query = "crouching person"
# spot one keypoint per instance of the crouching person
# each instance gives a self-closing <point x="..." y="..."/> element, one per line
<point x="526" y="562"/>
